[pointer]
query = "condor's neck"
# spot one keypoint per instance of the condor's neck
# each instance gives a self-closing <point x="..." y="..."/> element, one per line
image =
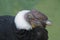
<point x="21" y="22"/>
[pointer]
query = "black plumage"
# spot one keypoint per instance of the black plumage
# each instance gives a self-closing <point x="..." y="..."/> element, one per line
<point x="35" y="34"/>
<point x="8" y="31"/>
<point x="7" y="28"/>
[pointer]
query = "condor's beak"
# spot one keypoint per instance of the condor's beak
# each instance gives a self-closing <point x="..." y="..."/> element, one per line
<point x="37" y="23"/>
<point x="48" y="22"/>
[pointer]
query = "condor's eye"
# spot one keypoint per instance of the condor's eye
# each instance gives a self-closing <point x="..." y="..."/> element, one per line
<point x="30" y="16"/>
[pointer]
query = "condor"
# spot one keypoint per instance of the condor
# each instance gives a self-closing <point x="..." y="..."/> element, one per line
<point x="26" y="25"/>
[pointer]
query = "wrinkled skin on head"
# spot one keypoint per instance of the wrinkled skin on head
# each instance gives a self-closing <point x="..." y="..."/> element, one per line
<point x="36" y="19"/>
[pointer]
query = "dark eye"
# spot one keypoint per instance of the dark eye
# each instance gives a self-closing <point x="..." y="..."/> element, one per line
<point x="30" y="16"/>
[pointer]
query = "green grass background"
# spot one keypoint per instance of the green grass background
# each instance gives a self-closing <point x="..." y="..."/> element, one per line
<point x="49" y="7"/>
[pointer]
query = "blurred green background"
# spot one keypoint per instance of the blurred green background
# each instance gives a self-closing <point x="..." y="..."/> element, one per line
<point x="49" y="7"/>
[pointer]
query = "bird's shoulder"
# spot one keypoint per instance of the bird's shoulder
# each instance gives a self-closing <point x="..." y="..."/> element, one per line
<point x="6" y="18"/>
<point x="6" y="22"/>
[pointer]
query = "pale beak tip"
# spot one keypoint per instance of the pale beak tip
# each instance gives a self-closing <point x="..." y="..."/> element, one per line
<point x="48" y="22"/>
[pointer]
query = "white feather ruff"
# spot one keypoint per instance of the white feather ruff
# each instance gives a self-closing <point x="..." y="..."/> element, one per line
<point x="21" y="22"/>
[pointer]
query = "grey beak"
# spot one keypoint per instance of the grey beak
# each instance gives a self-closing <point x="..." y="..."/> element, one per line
<point x="48" y="22"/>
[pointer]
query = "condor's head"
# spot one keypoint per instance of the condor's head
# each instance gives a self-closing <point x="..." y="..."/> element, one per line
<point x="29" y="19"/>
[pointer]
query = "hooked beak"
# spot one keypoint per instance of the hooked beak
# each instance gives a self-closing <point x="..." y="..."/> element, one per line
<point x="36" y="23"/>
<point x="48" y="22"/>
